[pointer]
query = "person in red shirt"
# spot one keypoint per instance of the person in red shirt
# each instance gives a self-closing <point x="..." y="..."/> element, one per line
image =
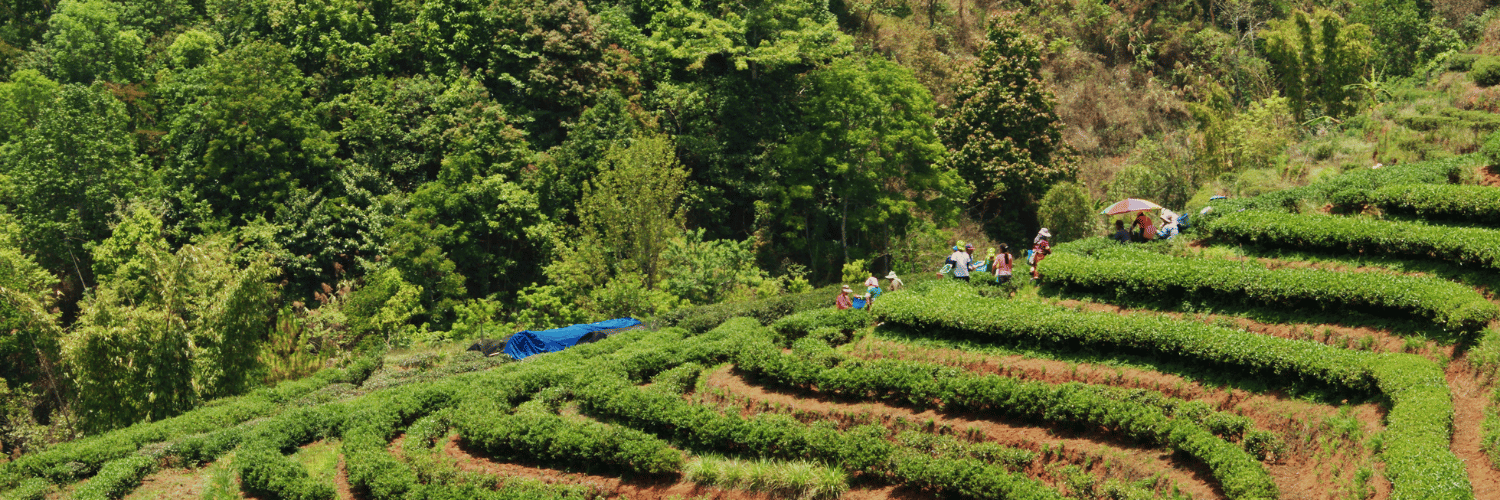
<point x="1040" y="249"/>
<point x="844" y="301"/>
<point x="1148" y="228"/>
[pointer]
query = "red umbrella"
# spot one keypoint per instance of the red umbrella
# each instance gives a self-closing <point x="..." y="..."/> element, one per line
<point x="1130" y="205"/>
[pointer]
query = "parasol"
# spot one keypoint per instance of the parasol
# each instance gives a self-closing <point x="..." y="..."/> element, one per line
<point x="1130" y="205"/>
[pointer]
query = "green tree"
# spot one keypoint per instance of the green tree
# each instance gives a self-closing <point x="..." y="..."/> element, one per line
<point x="243" y="139"/>
<point x="68" y="173"/>
<point x="1317" y="58"/>
<point x="1004" y="137"/>
<point x="634" y="207"/>
<point x="708" y="272"/>
<point x="1069" y="212"/>
<point x="22" y="100"/>
<point x="166" y="330"/>
<point x="30" y="342"/>
<point x="86" y="43"/>
<point x="867" y="160"/>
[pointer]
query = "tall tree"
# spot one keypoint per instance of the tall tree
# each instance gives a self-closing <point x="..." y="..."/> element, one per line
<point x="1005" y="138"/>
<point x="69" y="172"/>
<point x="166" y="330"/>
<point x="635" y="206"/>
<point x="244" y="138"/>
<point x="1318" y="56"/>
<point x="86" y="42"/>
<point x="868" y="158"/>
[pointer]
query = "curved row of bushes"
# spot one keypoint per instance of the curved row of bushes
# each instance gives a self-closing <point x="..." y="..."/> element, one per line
<point x="1440" y="171"/>
<point x="81" y="458"/>
<point x="1419" y="425"/>
<point x="1437" y="202"/>
<point x="1463" y="245"/>
<point x="1123" y="410"/>
<point x="1139" y="273"/>
<point x="864" y="449"/>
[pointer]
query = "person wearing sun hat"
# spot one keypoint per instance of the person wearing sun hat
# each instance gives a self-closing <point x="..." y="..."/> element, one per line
<point x="844" y="300"/>
<point x="1168" y="225"/>
<point x="1041" y="247"/>
<point x="896" y="283"/>
<point x="963" y="262"/>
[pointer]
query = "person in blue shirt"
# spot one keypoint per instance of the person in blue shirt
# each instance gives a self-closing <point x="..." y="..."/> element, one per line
<point x="1121" y="235"/>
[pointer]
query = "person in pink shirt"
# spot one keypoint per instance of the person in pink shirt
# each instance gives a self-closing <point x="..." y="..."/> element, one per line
<point x="844" y="301"/>
<point x="1002" y="265"/>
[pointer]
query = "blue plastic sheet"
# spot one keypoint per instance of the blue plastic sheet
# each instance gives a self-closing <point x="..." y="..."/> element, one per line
<point x="528" y="343"/>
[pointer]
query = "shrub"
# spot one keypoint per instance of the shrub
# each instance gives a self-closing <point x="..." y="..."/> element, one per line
<point x="1133" y="272"/>
<point x="1419" y="425"/>
<point x="801" y="324"/>
<point x="1473" y="246"/>
<point x="1486" y="71"/>
<point x="1437" y="202"/>
<point x="31" y="489"/>
<point x="795" y="479"/>
<point x="117" y="478"/>
<point x="1068" y="211"/>
<point x="1490" y="151"/>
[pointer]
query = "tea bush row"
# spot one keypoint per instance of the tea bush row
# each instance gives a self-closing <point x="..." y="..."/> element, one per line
<point x="1437" y="202"/>
<point x="1240" y="474"/>
<point x="1463" y="245"/>
<point x="1137" y="273"/>
<point x="1419" y="425"/>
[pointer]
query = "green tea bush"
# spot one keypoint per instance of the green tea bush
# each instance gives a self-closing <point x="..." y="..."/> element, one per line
<point x="564" y="441"/>
<point x="31" y="489"/>
<point x="1133" y="272"/>
<point x="1419" y="425"/>
<point x="1124" y="411"/>
<point x="704" y="318"/>
<point x="1437" y="202"/>
<point x="1451" y="170"/>
<point x="1469" y="246"/>
<point x="1485" y="71"/>
<point x="116" y="479"/>
<point x="801" y="324"/>
<point x="74" y="460"/>
<point x="864" y="449"/>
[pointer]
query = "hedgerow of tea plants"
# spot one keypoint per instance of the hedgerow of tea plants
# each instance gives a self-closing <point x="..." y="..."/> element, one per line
<point x="1125" y="411"/>
<point x="1437" y="202"/>
<point x="1419" y="463"/>
<point x="1134" y="273"/>
<point x="1464" y="245"/>
<point x="1440" y="171"/>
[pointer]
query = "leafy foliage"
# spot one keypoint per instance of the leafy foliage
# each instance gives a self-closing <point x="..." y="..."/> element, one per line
<point x="1005" y="137"/>
<point x="166" y="330"/>
<point x="1131" y="272"/>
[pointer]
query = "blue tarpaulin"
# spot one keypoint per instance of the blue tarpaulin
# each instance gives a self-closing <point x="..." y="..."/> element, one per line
<point x="527" y="343"/>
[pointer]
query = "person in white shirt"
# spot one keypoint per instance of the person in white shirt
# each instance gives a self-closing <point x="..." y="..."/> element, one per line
<point x="963" y="262"/>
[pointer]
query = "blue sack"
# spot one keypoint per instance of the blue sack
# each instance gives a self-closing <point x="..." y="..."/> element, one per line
<point x="859" y="303"/>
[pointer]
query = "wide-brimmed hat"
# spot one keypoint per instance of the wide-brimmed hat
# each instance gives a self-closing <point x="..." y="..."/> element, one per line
<point x="1045" y="233"/>
<point x="847" y="289"/>
<point x="891" y="276"/>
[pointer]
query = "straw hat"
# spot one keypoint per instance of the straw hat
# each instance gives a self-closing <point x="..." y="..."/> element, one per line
<point x="847" y="289"/>
<point x="891" y="276"/>
<point x="1045" y="233"/>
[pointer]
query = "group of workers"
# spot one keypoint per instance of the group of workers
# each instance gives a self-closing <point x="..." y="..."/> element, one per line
<point x="962" y="262"/>
<point x="847" y="299"/>
<point x="1144" y="229"/>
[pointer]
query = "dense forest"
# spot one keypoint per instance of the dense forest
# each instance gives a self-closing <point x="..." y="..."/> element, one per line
<point x="199" y="197"/>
